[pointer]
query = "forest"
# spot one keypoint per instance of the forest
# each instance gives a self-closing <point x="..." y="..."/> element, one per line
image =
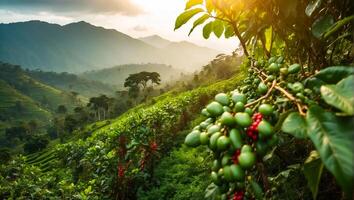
<point x="272" y="120"/>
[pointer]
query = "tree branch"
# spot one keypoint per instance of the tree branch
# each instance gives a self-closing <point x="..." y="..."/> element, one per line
<point x="263" y="97"/>
<point x="300" y="107"/>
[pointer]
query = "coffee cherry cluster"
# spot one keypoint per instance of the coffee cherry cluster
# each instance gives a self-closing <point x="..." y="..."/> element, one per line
<point x="147" y="154"/>
<point x="239" y="195"/>
<point x="235" y="138"/>
<point x="121" y="171"/>
<point x="252" y="131"/>
<point x="153" y="146"/>
<point x="235" y="156"/>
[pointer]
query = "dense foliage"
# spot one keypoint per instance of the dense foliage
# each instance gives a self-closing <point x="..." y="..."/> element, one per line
<point x="71" y="82"/>
<point x="281" y="128"/>
<point x="311" y="103"/>
<point x="90" y="166"/>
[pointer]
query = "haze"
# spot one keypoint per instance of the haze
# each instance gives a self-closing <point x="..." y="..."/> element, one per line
<point x="137" y="18"/>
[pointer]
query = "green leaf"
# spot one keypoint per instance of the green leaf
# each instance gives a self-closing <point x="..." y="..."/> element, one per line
<point x="333" y="75"/>
<point x="333" y="139"/>
<point x="218" y="28"/>
<point x="295" y="124"/>
<point x="207" y="30"/>
<point x="313" y="168"/>
<point x="185" y="16"/>
<point x="341" y="95"/>
<point x="312" y="6"/>
<point x="209" y="5"/>
<point x="229" y="32"/>
<point x="199" y="21"/>
<point x="257" y="190"/>
<point x="321" y="25"/>
<point x="268" y="37"/>
<point x="314" y="83"/>
<point x="335" y="27"/>
<point x="211" y="191"/>
<point x="192" y="3"/>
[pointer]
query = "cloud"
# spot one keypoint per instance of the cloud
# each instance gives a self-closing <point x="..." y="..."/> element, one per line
<point x="140" y="28"/>
<point x="124" y="7"/>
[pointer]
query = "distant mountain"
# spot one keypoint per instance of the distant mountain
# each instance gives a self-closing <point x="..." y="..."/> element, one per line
<point x="71" y="82"/>
<point x="80" y="46"/>
<point x="117" y="75"/>
<point x="23" y="97"/>
<point x="156" y="41"/>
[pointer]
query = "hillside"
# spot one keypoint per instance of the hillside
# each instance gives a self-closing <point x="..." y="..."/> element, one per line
<point x="23" y="97"/>
<point x="156" y="41"/>
<point x="71" y="82"/>
<point x="80" y="46"/>
<point x="98" y="148"/>
<point x="15" y="106"/>
<point x="117" y="75"/>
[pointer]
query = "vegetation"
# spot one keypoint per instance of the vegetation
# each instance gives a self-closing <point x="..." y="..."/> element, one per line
<point x="148" y="123"/>
<point x="273" y="124"/>
<point x="305" y="101"/>
<point x="72" y="83"/>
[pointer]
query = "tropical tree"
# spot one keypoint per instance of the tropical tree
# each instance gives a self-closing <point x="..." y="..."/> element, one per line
<point x="100" y="105"/>
<point x="142" y="79"/>
<point x="61" y="109"/>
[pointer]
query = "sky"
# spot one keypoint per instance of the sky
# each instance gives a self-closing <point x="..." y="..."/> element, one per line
<point x="137" y="18"/>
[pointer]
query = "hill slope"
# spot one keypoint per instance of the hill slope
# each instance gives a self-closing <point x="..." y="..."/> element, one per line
<point x="139" y="126"/>
<point x="15" y="106"/>
<point x="79" y="47"/>
<point x="23" y="97"/>
<point x="71" y="82"/>
<point x="156" y="41"/>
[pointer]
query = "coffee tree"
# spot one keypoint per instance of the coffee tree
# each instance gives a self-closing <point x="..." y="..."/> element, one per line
<point x="291" y="88"/>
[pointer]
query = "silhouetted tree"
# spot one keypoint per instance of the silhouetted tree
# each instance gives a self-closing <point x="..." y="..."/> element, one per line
<point x="61" y="109"/>
<point x="100" y="105"/>
<point x="142" y="78"/>
<point x="70" y="123"/>
<point x="5" y="155"/>
<point x="32" y="126"/>
<point x="19" y="132"/>
<point x="35" y="143"/>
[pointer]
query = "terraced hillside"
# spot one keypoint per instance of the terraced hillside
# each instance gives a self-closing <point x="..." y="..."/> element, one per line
<point x="43" y="159"/>
<point x="15" y="106"/>
<point x="46" y="96"/>
<point x="48" y="158"/>
<point x="23" y="98"/>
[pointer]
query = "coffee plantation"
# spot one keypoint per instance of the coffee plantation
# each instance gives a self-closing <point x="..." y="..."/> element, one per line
<point x="280" y="128"/>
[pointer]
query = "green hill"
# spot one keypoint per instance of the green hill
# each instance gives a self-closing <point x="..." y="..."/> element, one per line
<point x="71" y="82"/>
<point x="15" y="106"/>
<point x="90" y="163"/>
<point x="45" y="95"/>
<point x="23" y="98"/>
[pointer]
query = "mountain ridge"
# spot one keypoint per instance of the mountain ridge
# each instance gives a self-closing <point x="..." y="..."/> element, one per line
<point x="81" y="46"/>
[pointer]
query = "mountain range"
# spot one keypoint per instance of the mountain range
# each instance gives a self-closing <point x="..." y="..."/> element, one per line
<point x="80" y="46"/>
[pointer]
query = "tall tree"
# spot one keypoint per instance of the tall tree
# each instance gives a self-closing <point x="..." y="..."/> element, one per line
<point x="100" y="105"/>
